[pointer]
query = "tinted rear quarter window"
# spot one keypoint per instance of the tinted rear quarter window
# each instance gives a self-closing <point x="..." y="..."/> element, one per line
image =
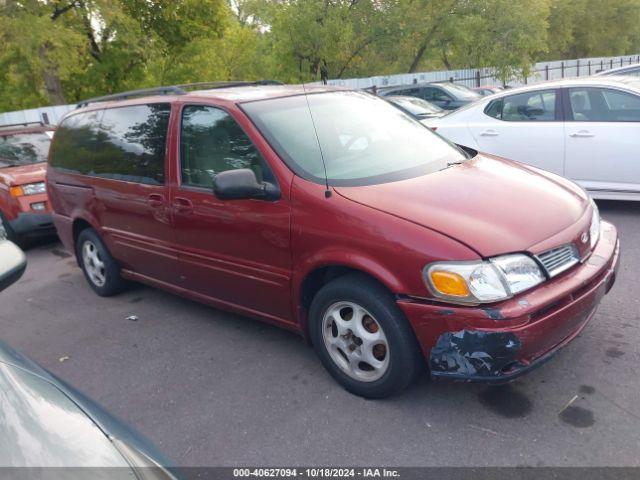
<point x="494" y="109"/>
<point x="74" y="142"/>
<point x="123" y="143"/>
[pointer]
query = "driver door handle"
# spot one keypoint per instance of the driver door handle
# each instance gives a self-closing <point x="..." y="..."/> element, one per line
<point x="155" y="200"/>
<point x="489" y="133"/>
<point x="582" y="134"/>
<point x="182" y="205"/>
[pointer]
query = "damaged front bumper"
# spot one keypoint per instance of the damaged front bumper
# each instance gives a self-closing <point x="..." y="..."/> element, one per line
<point x="498" y="344"/>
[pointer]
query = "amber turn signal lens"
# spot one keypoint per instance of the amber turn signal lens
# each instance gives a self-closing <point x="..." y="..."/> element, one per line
<point x="16" y="192"/>
<point x="449" y="283"/>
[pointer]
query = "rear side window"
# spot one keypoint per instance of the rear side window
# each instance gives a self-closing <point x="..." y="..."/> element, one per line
<point x="131" y="143"/>
<point x="603" y="105"/>
<point x="494" y="109"/>
<point x="75" y="143"/>
<point x="212" y="142"/>
<point x="126" y="143"/>
<point x="538" y="106"/>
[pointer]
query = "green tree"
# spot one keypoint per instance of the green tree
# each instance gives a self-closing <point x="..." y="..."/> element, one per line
<point x="593" y="28"/>
<point x="322" y="39"/>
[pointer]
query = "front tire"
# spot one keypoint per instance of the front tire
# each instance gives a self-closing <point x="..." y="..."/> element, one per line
<point x="362" y="338"/>
<point x="8" y="231"/>
<point x="99" y="267"/>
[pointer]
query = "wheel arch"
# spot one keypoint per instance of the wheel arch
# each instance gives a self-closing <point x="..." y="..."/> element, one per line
<point x="79" y="224"/>
<point x="317" y="276"/>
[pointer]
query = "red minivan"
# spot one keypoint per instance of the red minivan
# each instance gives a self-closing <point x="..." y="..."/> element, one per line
<point x="24" y="208"/>
<point x="337" y="216"/>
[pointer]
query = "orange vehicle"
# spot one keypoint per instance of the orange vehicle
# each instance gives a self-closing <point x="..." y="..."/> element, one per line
<point x="24" y="206"/>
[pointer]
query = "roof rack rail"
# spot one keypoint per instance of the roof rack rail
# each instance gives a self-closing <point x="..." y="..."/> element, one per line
<point x="174" y="90"/>
<point x="171" y="90"/>
<point x="227" y="84"/>
<point x="22" y="124"/>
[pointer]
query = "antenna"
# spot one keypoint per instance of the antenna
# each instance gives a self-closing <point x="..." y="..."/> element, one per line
<point x="327" y="192"/>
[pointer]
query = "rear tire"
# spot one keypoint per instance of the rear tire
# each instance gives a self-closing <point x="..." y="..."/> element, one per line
<point x="100" y="268"/>
<point x="362" y="338"/>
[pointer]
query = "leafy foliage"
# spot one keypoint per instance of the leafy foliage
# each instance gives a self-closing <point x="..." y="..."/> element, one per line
<point x="60" y="51"/>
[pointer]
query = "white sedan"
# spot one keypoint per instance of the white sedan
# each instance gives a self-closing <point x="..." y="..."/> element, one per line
<point x="587" y="130"/>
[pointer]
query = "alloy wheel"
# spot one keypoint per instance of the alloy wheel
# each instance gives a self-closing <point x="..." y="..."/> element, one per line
<point x="355" y="341"/>
<point x="93" y="264"/>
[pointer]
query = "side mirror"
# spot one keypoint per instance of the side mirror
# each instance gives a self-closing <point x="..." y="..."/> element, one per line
<point x="13" y="263"/>
<point x="242" y="184"/>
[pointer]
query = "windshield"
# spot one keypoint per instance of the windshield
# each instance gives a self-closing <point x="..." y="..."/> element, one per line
<point x="23" y="149"/>
<point x="364" y="140"/>
<point x="461" y="92"/>
<point x="416" y="106"/>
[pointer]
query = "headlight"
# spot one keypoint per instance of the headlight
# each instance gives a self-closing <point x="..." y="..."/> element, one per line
<point x="594" y="229"/>
<point x="28" y="189"/>
<point x="483" y="281"/>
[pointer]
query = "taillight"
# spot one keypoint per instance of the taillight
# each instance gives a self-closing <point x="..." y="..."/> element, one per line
<point x="433" y="128"/>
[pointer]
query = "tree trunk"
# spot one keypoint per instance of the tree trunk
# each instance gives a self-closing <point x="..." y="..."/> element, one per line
<point x="324" y="72"/>
<point x="445" y="60"/>
<point x="418" y="57"/>
<point x="52" y="81"/>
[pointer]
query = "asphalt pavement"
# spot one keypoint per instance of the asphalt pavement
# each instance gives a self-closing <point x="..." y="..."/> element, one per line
<point x="216" y="389"/>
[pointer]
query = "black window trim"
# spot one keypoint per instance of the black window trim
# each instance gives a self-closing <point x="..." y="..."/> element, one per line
<point x="196" y="188"/>
<point x="558" y="107"/>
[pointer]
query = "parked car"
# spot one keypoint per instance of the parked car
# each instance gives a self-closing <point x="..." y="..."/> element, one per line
<point x="487" y="90"/>
<point x="44" y="422"/>
<point x="629" y="70"/>
<point x="335" y="215"/>
<point x="446" y="95"/>
<point x="24" y="208"/>
<point x="587" y="130"/>
<point x="416" y="107"/>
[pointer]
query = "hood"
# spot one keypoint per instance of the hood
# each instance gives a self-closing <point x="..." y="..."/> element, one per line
<point x="41" y="427"/>
<point x="23" y="174"/>
<point x="492" y="205"/>
<point x="47" y="422"/>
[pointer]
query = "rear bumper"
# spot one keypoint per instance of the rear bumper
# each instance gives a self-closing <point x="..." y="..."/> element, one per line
<point x="509" y="339"/>
<point x="33" y="224"/>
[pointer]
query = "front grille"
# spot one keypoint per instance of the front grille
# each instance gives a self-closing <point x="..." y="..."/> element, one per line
<point x="559" y="259"/>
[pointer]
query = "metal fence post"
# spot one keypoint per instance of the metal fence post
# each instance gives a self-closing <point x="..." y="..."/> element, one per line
<point x="589" y="66"/>
<point x="477" y="78"/>
<point x="611" y="63"/>
<point x="577" y="68"/>
<point x="562" y="69"/>
<point x="546" y="72"/>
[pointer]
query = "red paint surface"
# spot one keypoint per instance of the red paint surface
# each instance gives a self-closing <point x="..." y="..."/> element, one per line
<point x="252" y="256"/>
